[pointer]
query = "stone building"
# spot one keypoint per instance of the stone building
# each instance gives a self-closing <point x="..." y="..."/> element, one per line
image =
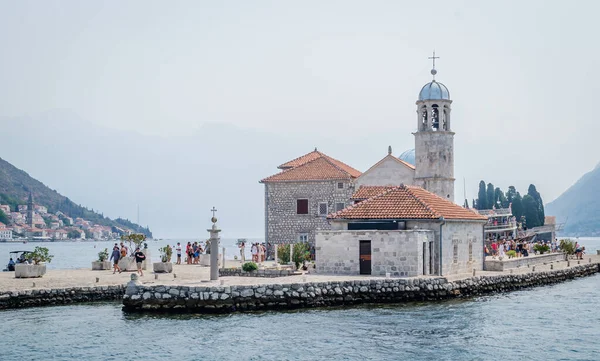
<point x="403" y="231"/>
<point x="299" y="198"/>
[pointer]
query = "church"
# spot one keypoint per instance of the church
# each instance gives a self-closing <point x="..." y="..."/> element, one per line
<point x="397" y="218"/>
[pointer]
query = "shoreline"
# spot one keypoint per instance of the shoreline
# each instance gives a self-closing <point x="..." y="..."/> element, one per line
<point x="188" y="288"/>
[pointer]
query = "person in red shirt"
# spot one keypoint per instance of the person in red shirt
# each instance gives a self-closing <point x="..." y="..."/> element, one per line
<point x="494" y="249"/>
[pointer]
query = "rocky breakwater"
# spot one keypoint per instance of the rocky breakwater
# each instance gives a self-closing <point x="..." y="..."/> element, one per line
<point x="60" y="296"/>
<point x="316" y="294"/>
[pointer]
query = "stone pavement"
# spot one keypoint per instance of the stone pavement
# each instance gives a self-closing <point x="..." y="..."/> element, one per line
<point x="195" y="275"/>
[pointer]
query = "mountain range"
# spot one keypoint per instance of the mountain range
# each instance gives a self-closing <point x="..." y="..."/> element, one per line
<point x="579" y="206"/>
<point x="16" y="186"/>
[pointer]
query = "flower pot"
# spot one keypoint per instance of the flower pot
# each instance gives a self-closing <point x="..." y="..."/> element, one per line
<point x="162" y="267"/>
<point x="127" y="264"/>
<point x="101" y="265"/>
<point x="30" y="270"/>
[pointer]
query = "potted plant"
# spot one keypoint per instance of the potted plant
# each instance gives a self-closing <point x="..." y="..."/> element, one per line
<point x="164" y="266"/>
<point x="541" y="248"/>
<point x="102" y="263"/>
<point x="37" y="268"/>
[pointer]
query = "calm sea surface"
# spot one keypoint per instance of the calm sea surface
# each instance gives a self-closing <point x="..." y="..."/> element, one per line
<point x="559" y="322"/>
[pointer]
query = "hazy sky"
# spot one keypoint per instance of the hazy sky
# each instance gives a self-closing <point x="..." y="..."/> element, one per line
<point x="522" y="74"/>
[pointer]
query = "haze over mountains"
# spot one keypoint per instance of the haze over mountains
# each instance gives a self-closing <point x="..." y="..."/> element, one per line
<point x="579" y="206"/>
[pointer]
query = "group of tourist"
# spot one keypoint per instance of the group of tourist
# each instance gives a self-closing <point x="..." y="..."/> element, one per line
<point x="499" y="248"/>
<point x="192" y="252"/>
<point x="259" y="252"/>
<point x="121" y="252"/>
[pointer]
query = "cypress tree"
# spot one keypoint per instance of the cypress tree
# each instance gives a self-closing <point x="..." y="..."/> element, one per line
<point x="532" y="191"/>
<point x="530" y="210"/>
<point x="490" y="196"/>
<point x="499" y="197"/>
<point x="482" y="197"/>
<point x="510" y="194"/>
<point x="517" y="206"/>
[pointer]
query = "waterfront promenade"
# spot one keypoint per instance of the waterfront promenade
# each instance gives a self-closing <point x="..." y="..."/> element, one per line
<point x="195" y="275"/>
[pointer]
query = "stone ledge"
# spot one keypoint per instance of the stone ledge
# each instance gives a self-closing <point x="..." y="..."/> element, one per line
<point x="63" y="296"/>
<point x="267" y="273"/>
<point x="226" y="299"/>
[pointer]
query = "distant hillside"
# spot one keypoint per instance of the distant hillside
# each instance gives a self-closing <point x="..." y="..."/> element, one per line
<point x="15" y="186"/>
<point x="581" y="205"/>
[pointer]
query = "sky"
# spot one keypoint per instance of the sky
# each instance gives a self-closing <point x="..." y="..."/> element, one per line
<point x="342" y="76"/>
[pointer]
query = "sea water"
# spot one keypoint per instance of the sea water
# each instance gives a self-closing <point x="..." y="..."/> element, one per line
<point x="558" y="322"/>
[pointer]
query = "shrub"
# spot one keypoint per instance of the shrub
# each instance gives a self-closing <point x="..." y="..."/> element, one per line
<point x="511" y="253"/>
<point x="166" y="253"/>
<point x="567" y="246"/>
<point x="41" y="254"/>
<point x="541" y="248"/>
<point x="103" y="255"/>
<point x="249" y="266"/>
<point x="301" y="253"/>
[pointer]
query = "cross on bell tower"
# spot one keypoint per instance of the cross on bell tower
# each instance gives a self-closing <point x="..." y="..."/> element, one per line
<point x="433" y="71"/>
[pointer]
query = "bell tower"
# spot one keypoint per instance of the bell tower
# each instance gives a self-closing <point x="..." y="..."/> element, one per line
<point x="434" y="139"/>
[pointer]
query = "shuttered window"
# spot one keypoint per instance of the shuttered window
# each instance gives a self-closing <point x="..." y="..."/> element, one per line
<point x="302" y="206"/>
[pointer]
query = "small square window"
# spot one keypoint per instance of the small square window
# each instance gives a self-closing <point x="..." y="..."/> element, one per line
<point x="339" y="206"/>
<point x="301" y="206"/>
<point x="322" y="209"/>
<point x="340" y="185"/>
<point x="303" y="237"/>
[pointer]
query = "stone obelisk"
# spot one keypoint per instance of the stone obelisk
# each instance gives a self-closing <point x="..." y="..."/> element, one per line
<point x="214" y="248"/>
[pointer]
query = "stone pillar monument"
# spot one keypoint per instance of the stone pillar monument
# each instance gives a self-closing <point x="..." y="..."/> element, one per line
<point x="214" y="248"/>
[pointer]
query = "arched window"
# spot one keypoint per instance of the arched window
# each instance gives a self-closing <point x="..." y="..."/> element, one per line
<point x="435" y="117"/>
<point x="423" y="118"/>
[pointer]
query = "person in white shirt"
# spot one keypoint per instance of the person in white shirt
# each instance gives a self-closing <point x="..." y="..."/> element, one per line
<point x="178" y="249"/>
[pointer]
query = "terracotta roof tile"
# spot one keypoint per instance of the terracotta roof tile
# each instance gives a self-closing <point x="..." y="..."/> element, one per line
<point x="313" y="166"/>
<point x="309" y="157"/>
<point x="366" y="192"/>
<point x="317" y="169"/>
<point x="406" y="202"/>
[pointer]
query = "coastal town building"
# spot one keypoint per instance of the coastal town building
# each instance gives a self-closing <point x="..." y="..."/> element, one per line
<point x="308" y="188"/>
<point x="401" y="231"/>
<point x="299" y="197"/>
<point x="6" y="234"/>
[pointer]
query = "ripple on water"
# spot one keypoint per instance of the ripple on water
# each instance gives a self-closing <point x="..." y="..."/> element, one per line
<point x="554" y="322"/>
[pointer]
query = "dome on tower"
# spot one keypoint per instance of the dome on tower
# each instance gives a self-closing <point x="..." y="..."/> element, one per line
<point x="408" y="156"/>
<point x="434" y="91"/>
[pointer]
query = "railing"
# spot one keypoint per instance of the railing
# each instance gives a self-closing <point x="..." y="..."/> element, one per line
<point x="495" y="212"/>
<point x="507" y="226"/>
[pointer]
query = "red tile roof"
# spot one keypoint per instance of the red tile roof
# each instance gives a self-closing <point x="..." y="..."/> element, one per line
<point x="311" y="167"/>
<point x="309" y="157"/>
<point x="366" y="192"/>
<point x="406" y="202"/>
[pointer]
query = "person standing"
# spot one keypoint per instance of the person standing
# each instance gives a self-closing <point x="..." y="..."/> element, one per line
<point x="242" y="246"/>
<point x="115" y="256"/>
<point x="178" y="250"/>
<point x="254" y="251"/>
<point x="139" y="258"/>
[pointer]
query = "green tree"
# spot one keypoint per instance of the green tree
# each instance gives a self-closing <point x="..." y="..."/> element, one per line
<point x="511" y="193"/>
<point x="3" y="217"/>
<point x="482" y="197"/>
<point x="74" y="234"/>
<point x="530" y="211"/>
<point x="490" y="196"/>
<point x="517" y="206"/>
<point x="500" y="197"/>
<point x="538" y="201"/>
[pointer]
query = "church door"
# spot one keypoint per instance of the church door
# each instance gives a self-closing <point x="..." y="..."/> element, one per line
<point x="365" y="257"/>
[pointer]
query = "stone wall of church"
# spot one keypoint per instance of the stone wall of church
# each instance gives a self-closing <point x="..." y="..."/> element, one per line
<point x="399" y="253"/>
<point x="388" y="172"/>
<point x="467" y="236"/>
<point x="284" y="225"/>
<point x="434" y="161"/>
